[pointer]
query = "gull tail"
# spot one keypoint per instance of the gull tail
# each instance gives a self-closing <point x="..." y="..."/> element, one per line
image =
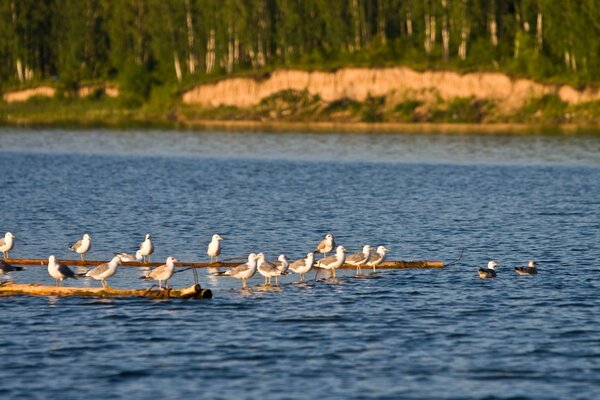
<point x="80" y="275"/>
<point x="145" y="277"/>
<point x="18" y="268"/>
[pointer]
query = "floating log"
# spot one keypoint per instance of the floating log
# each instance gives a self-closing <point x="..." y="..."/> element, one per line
<point x="33" y="289"/>
<point x="384" y="265"/>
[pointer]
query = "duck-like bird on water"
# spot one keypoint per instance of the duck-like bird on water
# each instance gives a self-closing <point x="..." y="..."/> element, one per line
<point x="489" y="272"/>
<point x="82" y="246"/>
<point x="530" y="269"/>
<point x="5" y="268"/>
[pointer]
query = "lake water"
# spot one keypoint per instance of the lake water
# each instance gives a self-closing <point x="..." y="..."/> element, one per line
<point x="401" y="334"/>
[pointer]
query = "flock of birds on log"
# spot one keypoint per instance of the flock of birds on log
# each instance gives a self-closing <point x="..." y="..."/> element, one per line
<point x="256" y="262"/>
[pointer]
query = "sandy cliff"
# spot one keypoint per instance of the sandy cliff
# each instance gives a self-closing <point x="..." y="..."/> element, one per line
<point x="397" y="84"/>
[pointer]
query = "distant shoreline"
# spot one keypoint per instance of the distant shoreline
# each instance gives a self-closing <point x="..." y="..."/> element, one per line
<point x="181" y="122"/>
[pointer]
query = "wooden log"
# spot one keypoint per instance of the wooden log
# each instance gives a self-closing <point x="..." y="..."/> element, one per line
<point x="33" y="289"/>
<point x="391" y="264"/>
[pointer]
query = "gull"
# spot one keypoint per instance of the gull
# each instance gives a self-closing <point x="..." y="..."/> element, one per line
<point x="489" y="272"/>
<point x="147" y="248"/>
<point x="243" y="271"/>
<point x="59" y="271"/>
<point x="162" y="273"/>
<point x="267" y="269"/>
<point x="82" y="246"/>
<point x="326" y="245"/>
<point x="378" y="257"/>
<point x="5" y="268"/>
<point x="282" y="264"/>
<point x="359" y="259"/>
<point x="303" y="265"/>
<point x="214" y="248"/>
<point x="126" y="257"/>
<point x="530" y="269"/>
<point x="104" y="271"/>
<point x="7" y="243"/>
<point x="335" y="261"/>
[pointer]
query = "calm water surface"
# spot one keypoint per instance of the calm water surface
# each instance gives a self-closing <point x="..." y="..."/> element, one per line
<point x="401" y="334"/>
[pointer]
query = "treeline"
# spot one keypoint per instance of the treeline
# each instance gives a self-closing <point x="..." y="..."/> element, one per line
<point x="141" y="43"/>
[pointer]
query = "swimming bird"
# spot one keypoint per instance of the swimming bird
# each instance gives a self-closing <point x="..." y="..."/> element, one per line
<point x="126" y="257"/>
<point x="214" y="248"/>
<point x="326" y="245"/>
<point x="333" y="262"/>
<point x="282" y="264"/>
<point x="104" y="271"/>
<point x="59" y="271"/>
<point x="5" y="268"/>
<point x="147" y="248"/>
<point x="378" y="257"/>
<point x="359" y="259"/>
<point x="163" y="273"/>
<point x="7" y="243"/>
<point x="489" y="272"/>
<point x="530" y="269"/>
<point x="303" y="265"/>
<point x="82" y="246"/>
<point x="243" y="271"/>
<point x="267" y="269"/>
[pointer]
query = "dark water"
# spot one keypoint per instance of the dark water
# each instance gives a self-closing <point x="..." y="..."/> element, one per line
<point x="404" y="334"/>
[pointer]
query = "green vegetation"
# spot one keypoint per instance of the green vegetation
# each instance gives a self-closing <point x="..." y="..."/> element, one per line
<point x="145" y="44"/>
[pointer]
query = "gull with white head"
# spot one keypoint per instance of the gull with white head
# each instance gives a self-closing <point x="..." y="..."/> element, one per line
<point x="147" y="248"/>
<point x="59" y="271"/>
<point x="126" y="257"/>
<point x="7" y="243"/>
<point x="490" y="271"/>
<point x="359" y="259"/>
<point x="303" y="265"/>
<point x="163" y="273"/>
<point x="243" y="271"/>
<point x="333" y="262"/>
<point x="326" y="245"/>
<point x="282" y="264"/>
<point x="267" y="269"/>
<point x="530" y="269"/>
<point x="82" y="246"/>
<point x="377" y="258"/>
<point x="104" y="271"/>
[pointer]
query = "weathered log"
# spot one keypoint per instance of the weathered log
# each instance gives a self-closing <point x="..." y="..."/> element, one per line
<point x="33" y="289"/>
<point x="384" y="265"/>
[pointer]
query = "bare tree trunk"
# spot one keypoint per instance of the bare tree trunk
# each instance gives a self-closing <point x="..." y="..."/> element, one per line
<point x="381" y="21"/>
<point x="464" y="32"/>
<point x="230" y="48"/>
<point x="427" y="42"/>
<point x="177" y="65"/>
<point x="190" y="29"/>
<point x="492" y="25"/>
<point x="210" y="52"/>
<point x="445" y="32"/>
<point x="409" y="27"/>
<point x="262" y="28"/>
<point x="538" y="33"/>
<point x="139" y="53"/>
<point x="18" y="64"/>
<point x="356" y="18"/>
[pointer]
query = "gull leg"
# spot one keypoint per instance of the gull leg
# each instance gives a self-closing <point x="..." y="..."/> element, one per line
<point x="195" y="275"/>
<point x="244" y="283"/>
<point x="333" y="273"/>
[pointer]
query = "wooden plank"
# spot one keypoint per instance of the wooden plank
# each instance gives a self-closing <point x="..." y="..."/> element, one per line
<point x="10" y="288"/>
<point x="197" y="264"/>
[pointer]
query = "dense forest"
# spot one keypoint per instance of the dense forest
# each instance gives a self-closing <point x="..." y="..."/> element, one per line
<point x="142" y="43"/>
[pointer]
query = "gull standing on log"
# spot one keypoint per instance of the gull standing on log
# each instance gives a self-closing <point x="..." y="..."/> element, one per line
<point x="147" y="248"/>
<point x="7" y="243"/>
<point x="489" y="272"/>
<point x="359" y="259"/>
<point x="243" y="271"/>
<point x="378" y="257"/>
<point x="214" y="248"/>
<point x="326" y="245"/>
<point x="162" y="273"/>
<point x="104" y="271"/>
<point x="282" y="264"/>
<point x="303" y="265"/>
<point x="59" y="271"/>
<point x="126" y="257"/>
<point x="335" y="261"/>
<point x="82" y="246"/>
<point x="267" y="269"/>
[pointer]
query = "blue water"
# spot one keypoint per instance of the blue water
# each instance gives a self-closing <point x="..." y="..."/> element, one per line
<point x="401" y="334"/>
